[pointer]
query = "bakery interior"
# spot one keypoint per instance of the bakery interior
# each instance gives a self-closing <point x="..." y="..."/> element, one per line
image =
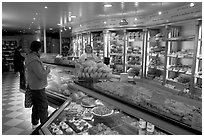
<point x="148" y="83"/>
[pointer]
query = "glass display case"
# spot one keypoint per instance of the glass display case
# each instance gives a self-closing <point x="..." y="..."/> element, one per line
<point x="181" y="46"/>
<point x="86" y="115"/>
<point x="155" y="54"/>
<point x="75" y="46"/>
<point x="134" y="52"/>
<point x="97" y="42"/>
<point x="116" y="45"/>
<point x="198" y="66"/>
<point x="115" y="107"/>
<point x="86" y="39"/>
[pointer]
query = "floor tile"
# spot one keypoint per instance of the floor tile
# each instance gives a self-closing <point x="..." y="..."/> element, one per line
<point x="5" y="119"/>
<point x="26" y="132"/>
<point x="13" y="103"/>
<point x="13" y="122"/>
<point x="5" y="128"/>
<point x="5" y="112"/>
<point x="24" y="116"/>
<point x="7" y="106"/>
<point x="14" y="108"/>
<point x="14" y="114"/>
<point x="24" y="125"/>
<point x="13" y="131"/>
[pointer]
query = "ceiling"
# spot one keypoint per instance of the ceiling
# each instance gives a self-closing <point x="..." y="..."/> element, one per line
<point x="18" y="16"/>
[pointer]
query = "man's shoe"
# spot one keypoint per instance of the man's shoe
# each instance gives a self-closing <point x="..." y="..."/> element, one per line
<point x="35" y="126"/>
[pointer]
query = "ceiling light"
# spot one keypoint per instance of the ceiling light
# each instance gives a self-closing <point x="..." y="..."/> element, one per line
<point x="36" y="13"/>
<point x="104" y="22"/>
<point x="135" y="18"/>
<point x="107" y="5"/>
<point x="70" y="27"/>
<point x="59" y="24"/>
<point x="33" y="18"/>
<point x="45" y="7"/>
<point x="80" y="25"/>
<point x="159" y="12"/>
<point x="192" y="4"/>
<point x="51" y="28"/>
<point x="32" y="22"/>
<point x="73" y="16"/>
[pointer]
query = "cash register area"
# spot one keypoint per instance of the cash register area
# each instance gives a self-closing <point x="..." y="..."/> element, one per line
<point x="15" y="117"/>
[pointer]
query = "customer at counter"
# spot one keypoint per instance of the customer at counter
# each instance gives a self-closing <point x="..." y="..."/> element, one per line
<point x="36" y="78"/>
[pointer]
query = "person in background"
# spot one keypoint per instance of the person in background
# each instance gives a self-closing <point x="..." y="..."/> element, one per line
<point x="18" y="61"/>
<point x="36" y="79"/>
<point x="89" y="55"/>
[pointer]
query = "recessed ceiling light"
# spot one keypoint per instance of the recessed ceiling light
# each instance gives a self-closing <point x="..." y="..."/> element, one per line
<point x="107" y="5"/>
<point x="135" y="18"/>
<point x="51" y="28"/>
<point x="159" y="12"/>
<point x="192" y="4"/>
<point x="104" y="22"/>
<point x="80" y="25"/>
<point x="73" y="16"/>
<point x="70" y="27"/>
<point x="33" y="18"/>
<point x="45" y="7"/>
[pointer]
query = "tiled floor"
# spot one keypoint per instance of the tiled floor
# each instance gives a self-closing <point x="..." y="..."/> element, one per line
<point x="15" y="118"/>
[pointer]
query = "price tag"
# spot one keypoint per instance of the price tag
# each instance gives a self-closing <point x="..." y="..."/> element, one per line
<point x="158" y="98"/>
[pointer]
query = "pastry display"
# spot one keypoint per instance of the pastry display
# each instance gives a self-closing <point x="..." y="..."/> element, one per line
<point x="93" y="70"/>
<point x="88" y="102"/>
<point x="87" y="115"/>
<point x="102" y="111"/>
<point x="142" y="96"/>
<point x="101" y="129"/>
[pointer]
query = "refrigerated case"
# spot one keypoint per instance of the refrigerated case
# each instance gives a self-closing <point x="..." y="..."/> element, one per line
<point x="183" y="52"/>
<point x="76" y="118"/>
<point x="198" y="60"/>
<point x="134" y="52"/>
<point x="86" y="39"/>
<point x="116" y="50"/>
<point x="131" y="104"/>
<point x="97" y="42"/>
<point x="155" y="54"/>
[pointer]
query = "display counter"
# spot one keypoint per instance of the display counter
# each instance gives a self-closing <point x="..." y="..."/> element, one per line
<point x="91" y="116"/>
<point x="167" y="112"/>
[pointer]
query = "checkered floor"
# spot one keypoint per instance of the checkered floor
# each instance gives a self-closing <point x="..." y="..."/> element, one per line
<point x="15" y="118"/>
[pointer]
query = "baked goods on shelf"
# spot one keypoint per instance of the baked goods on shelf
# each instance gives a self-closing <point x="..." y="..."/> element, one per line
<point x="101" y="129"/>
<point x="143" y="97"/>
